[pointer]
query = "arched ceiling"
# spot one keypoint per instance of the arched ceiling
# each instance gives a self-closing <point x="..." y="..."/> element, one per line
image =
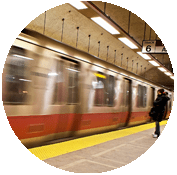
<point x="74" y="27"/>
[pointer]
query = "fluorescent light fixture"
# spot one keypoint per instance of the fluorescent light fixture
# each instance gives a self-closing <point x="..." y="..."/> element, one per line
<point x="162" y="69"/>
<point x="19" y="56"/>
<point x="78" y="5"/>
<point x="128" y="43"/>
<point x="100" y="21"/>
<point x="73" y="70"/>
<point x="52" y="74"/>
<point x="154" y="63"/>
<point x="168" y="73"/>
<point x="25" y="80"/>
<point x="145" y="56"/>
<point x="172" y="77"/>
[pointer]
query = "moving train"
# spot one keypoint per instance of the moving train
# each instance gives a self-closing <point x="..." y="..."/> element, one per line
<point x="52" y="91"/>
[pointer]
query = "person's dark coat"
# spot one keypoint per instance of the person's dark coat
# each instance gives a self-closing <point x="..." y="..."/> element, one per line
<point x="157" y="112"/>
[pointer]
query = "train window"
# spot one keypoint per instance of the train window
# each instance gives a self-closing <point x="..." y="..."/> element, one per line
<point x="142" y="96"/>
<point x="66" y="87"/>
<point x="16" y="77"/>
<point x="73" y="83"/>
<point x="100" y="89"/>
<point x="127" y="93"/>
<point x="104" y="90"/>
<point x="122" y="93"/>
<point x="59" y="95"/>
<point x="110" y="96"/>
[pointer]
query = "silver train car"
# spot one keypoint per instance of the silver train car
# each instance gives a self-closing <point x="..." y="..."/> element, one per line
<point x="52" y="90"/>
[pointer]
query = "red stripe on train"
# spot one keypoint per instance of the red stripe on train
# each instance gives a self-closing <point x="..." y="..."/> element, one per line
<point x="41" y="125"/>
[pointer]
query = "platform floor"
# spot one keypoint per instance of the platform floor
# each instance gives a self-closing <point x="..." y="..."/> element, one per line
<point x="108" y="155"/>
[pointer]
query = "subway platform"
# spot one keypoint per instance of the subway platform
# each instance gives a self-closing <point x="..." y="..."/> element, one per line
<point x="101" y="152"/>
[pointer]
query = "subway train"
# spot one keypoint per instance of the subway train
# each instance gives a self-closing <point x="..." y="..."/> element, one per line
<point x="54" y="91"/>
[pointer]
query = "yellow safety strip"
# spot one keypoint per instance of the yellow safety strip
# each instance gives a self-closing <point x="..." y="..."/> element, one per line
<point x="57" y="149"/>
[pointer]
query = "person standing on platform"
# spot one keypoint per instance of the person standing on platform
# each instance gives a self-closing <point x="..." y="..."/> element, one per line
<point x="159" y="109"/>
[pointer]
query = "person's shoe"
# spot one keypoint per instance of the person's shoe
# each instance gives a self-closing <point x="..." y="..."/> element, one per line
<point x="155" y="136"/>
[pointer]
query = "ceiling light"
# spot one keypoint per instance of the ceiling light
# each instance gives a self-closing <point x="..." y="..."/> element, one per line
<point x="24" y="80"/>
<point x="154" y="63"/>
<point x="145" y="56"/>
<point x="52" y="74"/>
<point x="168" y="73"/>
<point x="100" y="21"/>
<point x="172" y="77"/>
<point x="19" y="56"/>
<point x="128" y="43"/>
<point x="79" y="5"/>
<point x="73" y="70"/>
<point x="162" y="69"/>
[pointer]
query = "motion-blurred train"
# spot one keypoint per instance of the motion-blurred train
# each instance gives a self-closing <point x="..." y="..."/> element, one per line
<point x="52" y="90"/>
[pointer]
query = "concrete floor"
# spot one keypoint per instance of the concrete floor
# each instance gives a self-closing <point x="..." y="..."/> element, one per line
<point x="106" y="156"/>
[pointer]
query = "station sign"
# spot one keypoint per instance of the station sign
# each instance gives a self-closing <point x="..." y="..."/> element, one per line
<point x="155" y="46"/>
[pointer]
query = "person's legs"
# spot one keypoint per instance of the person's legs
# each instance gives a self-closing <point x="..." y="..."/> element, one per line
<point x="157" y="131"/>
